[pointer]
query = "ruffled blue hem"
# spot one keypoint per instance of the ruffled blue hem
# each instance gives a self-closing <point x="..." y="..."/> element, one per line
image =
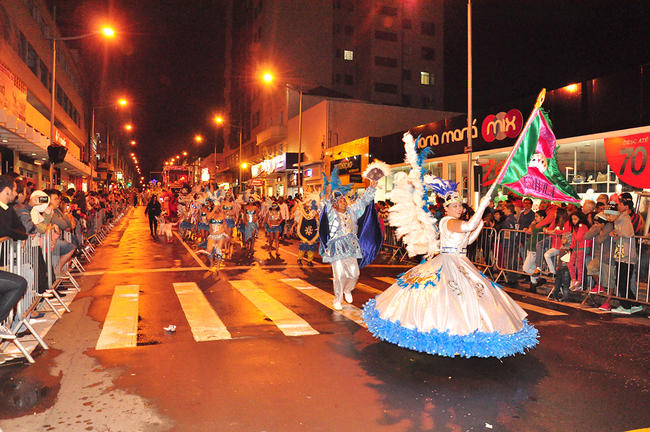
<point x="477" y="344"/>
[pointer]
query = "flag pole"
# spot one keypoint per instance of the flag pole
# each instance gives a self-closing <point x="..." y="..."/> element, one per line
<point x="538" y="103"/>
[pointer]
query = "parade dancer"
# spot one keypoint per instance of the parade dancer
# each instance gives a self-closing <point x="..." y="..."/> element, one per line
<point x="230" y="213"/>
<point x="217" y="237"/>
<point x="307" y="231"/>
<point x="249" y="218"/>
<point x="273" y="226"/>
<point x="445" y="305"/>
<point x="339" y="239"/>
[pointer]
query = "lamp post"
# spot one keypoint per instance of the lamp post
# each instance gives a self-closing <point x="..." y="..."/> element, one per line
<point x="120" y="102"/>
<point x="107" y="32"/>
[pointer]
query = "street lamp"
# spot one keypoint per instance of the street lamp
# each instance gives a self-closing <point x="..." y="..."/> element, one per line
<point x="108" y="32"/>
<point x="219" y="120"/>
<point x="198" y="138"/>
<point x="120" y="102"/>
<point x="268" y="78"/>
<point x="128" y="127"/>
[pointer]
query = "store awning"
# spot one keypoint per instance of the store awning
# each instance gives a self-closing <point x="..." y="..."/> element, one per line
<point x="19" y="136"/>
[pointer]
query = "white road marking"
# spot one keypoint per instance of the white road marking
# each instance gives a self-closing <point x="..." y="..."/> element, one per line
<point x="203" y="320"/>
<point x="349" y="311"/>
<point x="287" y="321"/>
<point x="366" y="288"/>
<point x="388" y="280"/>
<point x="120" y="328"/>
<point x="198" y="260"/>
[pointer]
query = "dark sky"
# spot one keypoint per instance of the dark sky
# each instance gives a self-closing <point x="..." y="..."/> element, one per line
<point x="169" y="57"/>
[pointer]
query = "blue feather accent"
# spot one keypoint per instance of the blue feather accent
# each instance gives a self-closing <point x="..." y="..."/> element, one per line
<point x="476" y="344"/>
<point x="335" y="182"/>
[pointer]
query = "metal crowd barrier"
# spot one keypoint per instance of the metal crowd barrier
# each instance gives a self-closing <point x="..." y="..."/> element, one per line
<point x="512" y="246"/>
<point x="481" y="252"/>
<point x="22" y="258"/>
<point x="396" y="247"/>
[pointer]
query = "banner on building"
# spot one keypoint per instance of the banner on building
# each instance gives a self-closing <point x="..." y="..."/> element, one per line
<point x="13" y="93"/>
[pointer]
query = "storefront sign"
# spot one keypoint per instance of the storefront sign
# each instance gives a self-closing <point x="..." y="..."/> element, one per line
<point x="205" y="174"/>
<point x="256" y="182"/>
<point x="628" y="158"/>
<point x="308" y="173"/>
<point x="268" y="166"/>
<point x="13" y="92"/>
<point x="59" y="138"/>
<point x="348" y="165"/>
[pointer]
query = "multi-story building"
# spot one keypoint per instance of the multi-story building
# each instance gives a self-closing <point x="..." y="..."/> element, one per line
<point x="380" y="51"/>
<point x="26" y="29"/>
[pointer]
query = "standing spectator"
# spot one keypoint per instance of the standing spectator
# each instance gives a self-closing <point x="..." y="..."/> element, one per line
<point x="546" y="241"/>
<point x="509" y="255"/>
<point x="12" y="286"/>
<point x="559" y="228"/>
<point x="579" y="248"/>
<point x="153" y="210"/>
<point x="599" y="268"/>
<point x="284" y="212"/>
<point x="625" y="258"/>
<point x="535" y="237"/>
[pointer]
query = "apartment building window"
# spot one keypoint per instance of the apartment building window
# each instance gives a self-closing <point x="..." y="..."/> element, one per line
<point x="337" y="53"/>
<point x="22" y="47"/>
<point x="348" y="55"/>
<point x="387" y="36"/>
<point x="337" y="28"/>
<point x="385" y="61"/>
<point x="406" y="100"/>
<point x="46" y="78"/>
<point x="349" y="30"/>
<point x="406" y="75"/>
<point x="427" y="101"/>
<point x="426" y="78"/>
<point x="388" y="11"/>
<point x="386" y="88"/>
<point x="428" y="53"/>
<point x="407" y="24"/>
<point x="256" y="119"/>
<point x="348" y="80"/>
<point x="337" y="78"/>
<point x="32" y="59"/>
<point x="428" y="28"/>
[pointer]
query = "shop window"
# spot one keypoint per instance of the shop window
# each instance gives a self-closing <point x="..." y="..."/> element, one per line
<point x="428" y="53"/>
<point x="386" y="36"/>
<point x="348" y="55"/>
<point x="385" y="61"/>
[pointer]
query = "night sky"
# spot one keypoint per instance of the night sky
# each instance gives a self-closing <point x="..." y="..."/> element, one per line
<point x="169" y="57"/>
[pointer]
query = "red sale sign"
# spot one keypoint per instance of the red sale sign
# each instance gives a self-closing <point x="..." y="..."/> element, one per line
<point x="628" y="158"/>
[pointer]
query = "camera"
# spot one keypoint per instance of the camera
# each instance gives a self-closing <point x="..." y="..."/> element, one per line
<point x="43" y="199"/>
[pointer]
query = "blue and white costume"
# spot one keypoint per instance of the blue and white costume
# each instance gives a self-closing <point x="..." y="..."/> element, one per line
<point x="445" y="305"/>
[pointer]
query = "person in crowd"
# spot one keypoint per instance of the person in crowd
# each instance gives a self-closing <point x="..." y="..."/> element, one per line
<point x="624" y="245"/>
<point x="231" y="213"/>
<point x="248" y="223"/>
<point x="217" y="240"/>
<point x="546" y="241"/>
<point x="588" y="208"/>
<point x="579" y="248"/>
<point x="535" y="234"/>
<point x="340" y="247"/>
<point x="273" y="226"/>
<point x="600" y="268"/>
<point x="559" y="228"/>
<point x="509" y="256"/>
<point x="12" y="286"/>
<point x="284" y="212"/>
<point x="153" y="210"/>
<point x="307" y="231"/>
<point x="499" y="217"/>
<point x="603" y="199"/>
<point x="63" y="250"/>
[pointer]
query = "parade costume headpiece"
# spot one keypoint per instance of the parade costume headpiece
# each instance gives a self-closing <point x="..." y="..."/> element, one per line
<point x="445" y="189"/>
<point x="337" y="189"/>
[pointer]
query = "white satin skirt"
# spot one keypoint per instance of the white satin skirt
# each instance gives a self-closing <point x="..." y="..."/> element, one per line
<point x="447" y="306"/>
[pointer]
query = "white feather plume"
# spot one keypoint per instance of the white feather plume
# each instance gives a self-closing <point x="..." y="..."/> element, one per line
<point x="414" y="225"/>
<point x="381" y="166"/>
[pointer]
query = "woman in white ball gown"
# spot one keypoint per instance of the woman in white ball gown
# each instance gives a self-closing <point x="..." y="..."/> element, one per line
<point x="445" y="305"/>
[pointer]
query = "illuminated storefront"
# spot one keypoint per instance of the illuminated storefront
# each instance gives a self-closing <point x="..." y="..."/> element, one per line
<point x="276" y="176"/>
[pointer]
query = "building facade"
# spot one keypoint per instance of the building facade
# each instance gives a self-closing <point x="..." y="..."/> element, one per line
<point x="384" y="52"/>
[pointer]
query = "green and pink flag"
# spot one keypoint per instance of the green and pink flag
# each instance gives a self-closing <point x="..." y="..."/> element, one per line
<point x="532" y="169"/>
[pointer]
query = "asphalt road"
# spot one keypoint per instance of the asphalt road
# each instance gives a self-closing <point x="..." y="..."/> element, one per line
<point x="257" y="347"/>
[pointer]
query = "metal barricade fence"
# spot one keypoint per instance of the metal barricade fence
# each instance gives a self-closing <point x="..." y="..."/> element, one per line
<point x="482" y="251"/>
<point x="394" y="246"/>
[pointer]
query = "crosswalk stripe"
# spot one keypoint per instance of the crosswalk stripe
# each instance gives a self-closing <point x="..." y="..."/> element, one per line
<point x="366" y="288"/>
<point x="203" y="320"/>
<point x="287" y="321"/>
<point x="120" y="328"/>
<point x="349" y="311"/>
<point x="538" y="309"/>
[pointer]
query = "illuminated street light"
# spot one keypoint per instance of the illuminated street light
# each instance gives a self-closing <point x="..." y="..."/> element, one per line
<point x="218" y="119"/>
<point x="184" y="153"/>
<point x="107" y="32"/>
<point x="133" y="142"/>
<point x="123" y="102"/>
<point x="198" y="138"/>
<point x="267" y="77"/>
<point x="128" y="127"/>
<point x="244" y="165"/>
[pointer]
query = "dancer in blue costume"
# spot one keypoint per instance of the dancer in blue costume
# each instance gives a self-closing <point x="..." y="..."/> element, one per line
<point x="445" y="305"/>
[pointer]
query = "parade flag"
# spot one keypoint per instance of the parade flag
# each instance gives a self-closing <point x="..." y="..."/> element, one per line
<point x="532" y="169"/>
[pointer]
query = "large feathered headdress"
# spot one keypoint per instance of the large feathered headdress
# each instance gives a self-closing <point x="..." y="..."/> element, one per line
<point x="337" y="190"/>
